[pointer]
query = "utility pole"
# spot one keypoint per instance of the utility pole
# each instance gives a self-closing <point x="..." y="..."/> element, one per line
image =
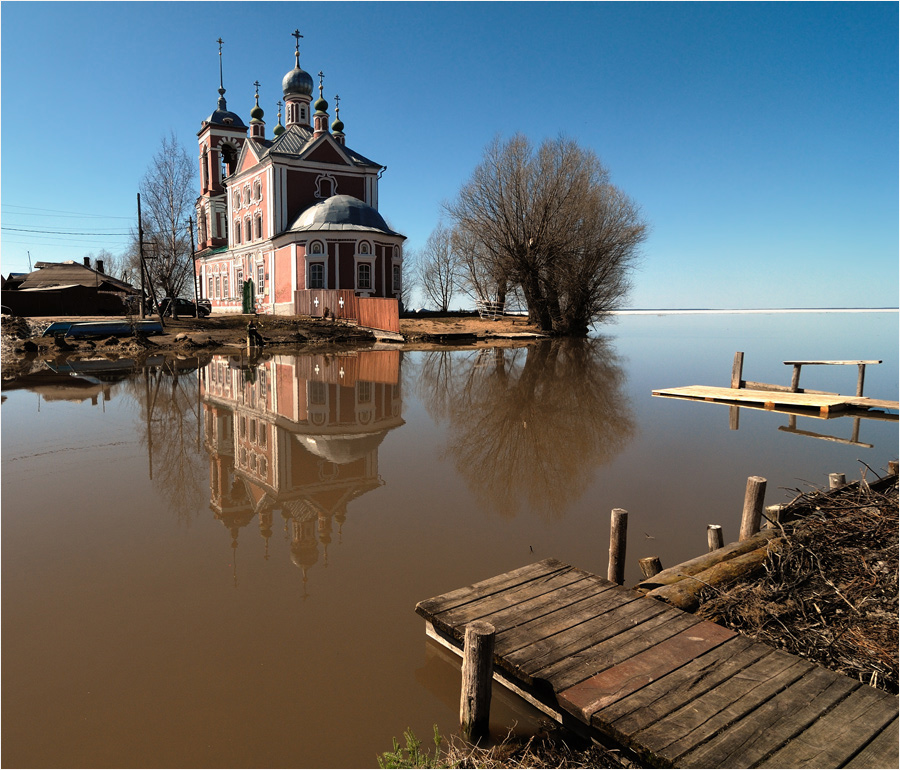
<point x="194" y="268"/>
<point x="141" y="248"/>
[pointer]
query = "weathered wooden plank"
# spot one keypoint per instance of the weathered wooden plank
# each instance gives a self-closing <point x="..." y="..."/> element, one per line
<point x="515" y="577"/>
<point x="883" y="751"/>
<point x="612" y="651"/>
<point x="632" y="674"/>
<point x="840" y="734"/>
<point x="773" y="724"/>
<point x="571" y="606"/>
<point x="666" y="695"/>
<point x="815" y="400"/>
<point x="488" y="606"/>
<point x="593" y="621"/>
<point x="694" y="723"/>
<point x="828" y="363"/>
<point x="512" y="614"/>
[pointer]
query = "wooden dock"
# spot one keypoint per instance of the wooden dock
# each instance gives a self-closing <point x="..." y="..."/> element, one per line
<point x="824" y="403"/>
<point x="676" y="690"/>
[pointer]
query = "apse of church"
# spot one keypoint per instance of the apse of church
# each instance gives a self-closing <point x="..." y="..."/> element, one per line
<point x="296" y="439"/>
<point x="298" y="212"/>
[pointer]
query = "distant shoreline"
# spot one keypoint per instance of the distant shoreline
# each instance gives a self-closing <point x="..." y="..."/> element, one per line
<point x="766" y="310"/>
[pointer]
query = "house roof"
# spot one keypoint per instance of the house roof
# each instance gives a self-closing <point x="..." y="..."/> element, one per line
<point x="64" y="274"/>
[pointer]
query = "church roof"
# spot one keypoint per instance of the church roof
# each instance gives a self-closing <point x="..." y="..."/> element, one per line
<point x="341" y="212"/>
<point x="296" y="140"/>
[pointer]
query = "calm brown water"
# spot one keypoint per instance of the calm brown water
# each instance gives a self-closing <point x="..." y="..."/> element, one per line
<point x="218" y="566"/>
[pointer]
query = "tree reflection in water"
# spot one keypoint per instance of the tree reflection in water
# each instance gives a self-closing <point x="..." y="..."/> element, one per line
<point x="529" y="425"/>
<point x="168" y="395"/>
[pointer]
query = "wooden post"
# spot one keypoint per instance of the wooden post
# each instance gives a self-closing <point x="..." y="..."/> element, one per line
<point x="737" y="370"/>
<point x="795" y="379"/>
<point x="734" y="417"/>
<point x="714" y="538"/>
<point x="753" y="505"/>
<point x="892" y="466"/>
<point x="618" y="536"/>
<point x="477" y="674"/>
<point x="773" y="515"/>
<point x="650" y="566"/>
<point x="860" y="379"/>
<point x="836" y="480"/>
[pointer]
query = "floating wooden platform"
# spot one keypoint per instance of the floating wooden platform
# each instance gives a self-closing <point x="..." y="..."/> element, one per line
<point x="825" y="403"/>
<point x="677" y="690"/>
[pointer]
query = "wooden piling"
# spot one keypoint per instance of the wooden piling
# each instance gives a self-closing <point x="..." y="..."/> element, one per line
<point x="714" y="537"/>
<point x="753" y="506"/>
<point x="836" y="480"/>
<point x="892" y="466"/>
<point x="773" y="515"/>
<point x="618" y="536"/>
<point x="477" y="674"/>
<point x="650" y="566"/>
<point x="737" y="370"/>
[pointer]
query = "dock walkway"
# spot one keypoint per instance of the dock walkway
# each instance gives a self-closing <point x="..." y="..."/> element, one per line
<point x="677" y="690"/>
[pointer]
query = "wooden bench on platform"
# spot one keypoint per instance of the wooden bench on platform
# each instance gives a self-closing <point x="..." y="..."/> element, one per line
<point x="676" y="690"/>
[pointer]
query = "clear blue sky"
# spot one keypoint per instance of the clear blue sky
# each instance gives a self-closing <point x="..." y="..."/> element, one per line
<point x="761" y="140"/>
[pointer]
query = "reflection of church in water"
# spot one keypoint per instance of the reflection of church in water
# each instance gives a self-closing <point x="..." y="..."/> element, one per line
<point x="297" y="436"/>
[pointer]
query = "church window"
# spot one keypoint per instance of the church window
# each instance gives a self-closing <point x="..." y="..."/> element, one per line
<point x="258" y="226"/>
<point x="317" y="275"/>
<point x="225" y="286"/>
<point x="204" y="169"/>
<point x="260" y="278"/>
<point x="218" y="287"/>
<point x="317" y="392"/>
<point x="257" y="191"/>
<point x="303" y="114"/>
<point x="364" y="392"/>
<point x="364" y="276"/>
<point x="248" y="233"/>
<point x="237" y="231"/>
<point x="237" y="200"/>
<point x="247" y="195"/>
<point x="326" y="186"/>
<point x="396" y="277"/>
<point x="209" y="289"/>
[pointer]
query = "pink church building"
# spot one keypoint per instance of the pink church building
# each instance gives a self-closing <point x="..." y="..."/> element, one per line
<point x="298" y="213"/>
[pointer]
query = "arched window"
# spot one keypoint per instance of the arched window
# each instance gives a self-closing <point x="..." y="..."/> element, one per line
<point x="257" y="190"/>
<point x="237" y="200"/>
<point x="397" y="274"/>
<point x="364" y="248"/>
<point x="225" y="286"/>
<point x="237" y="230"/>
<point x="316" y="248"/>
<point x="258" y="226"/>
<point x="247" y="195"/>
<point x="326" y="186"/>
<point x="228" y="157"/>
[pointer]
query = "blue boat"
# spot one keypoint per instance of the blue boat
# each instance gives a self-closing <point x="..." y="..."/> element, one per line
<point x="118" y="328"/>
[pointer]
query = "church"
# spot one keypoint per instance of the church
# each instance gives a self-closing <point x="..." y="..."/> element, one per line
<point x="282" y="218"/>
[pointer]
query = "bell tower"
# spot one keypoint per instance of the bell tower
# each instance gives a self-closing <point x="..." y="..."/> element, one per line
<point x="220" y="139"/>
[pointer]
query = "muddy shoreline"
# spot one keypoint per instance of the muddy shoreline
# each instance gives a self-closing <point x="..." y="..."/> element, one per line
<point x="24" y="347"/>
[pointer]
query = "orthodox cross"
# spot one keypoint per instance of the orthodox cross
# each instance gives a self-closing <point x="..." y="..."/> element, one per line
<point x="220" y="41"/>
<point x="296" y="34"/>
<point x="321" y="75"/>
<point x="337" y="106"/>
<point x="257" y="89"/>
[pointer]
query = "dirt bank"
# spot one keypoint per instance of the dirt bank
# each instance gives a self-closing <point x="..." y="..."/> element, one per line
<point x="24" y="347"/>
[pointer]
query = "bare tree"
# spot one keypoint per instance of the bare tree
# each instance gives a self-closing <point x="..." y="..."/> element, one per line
<point x="167" y="200"/>
<point x="549" y="222"/>
<point x="438" y="272"/>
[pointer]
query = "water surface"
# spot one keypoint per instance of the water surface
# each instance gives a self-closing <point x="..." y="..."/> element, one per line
<point x="218" y="566"/>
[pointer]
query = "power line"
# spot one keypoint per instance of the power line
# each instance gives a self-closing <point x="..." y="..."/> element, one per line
<point x="56" y="211"/>
<point x="61" y="232"/>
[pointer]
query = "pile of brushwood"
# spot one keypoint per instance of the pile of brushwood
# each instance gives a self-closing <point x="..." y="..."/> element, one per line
<point x="829" y="592"/>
